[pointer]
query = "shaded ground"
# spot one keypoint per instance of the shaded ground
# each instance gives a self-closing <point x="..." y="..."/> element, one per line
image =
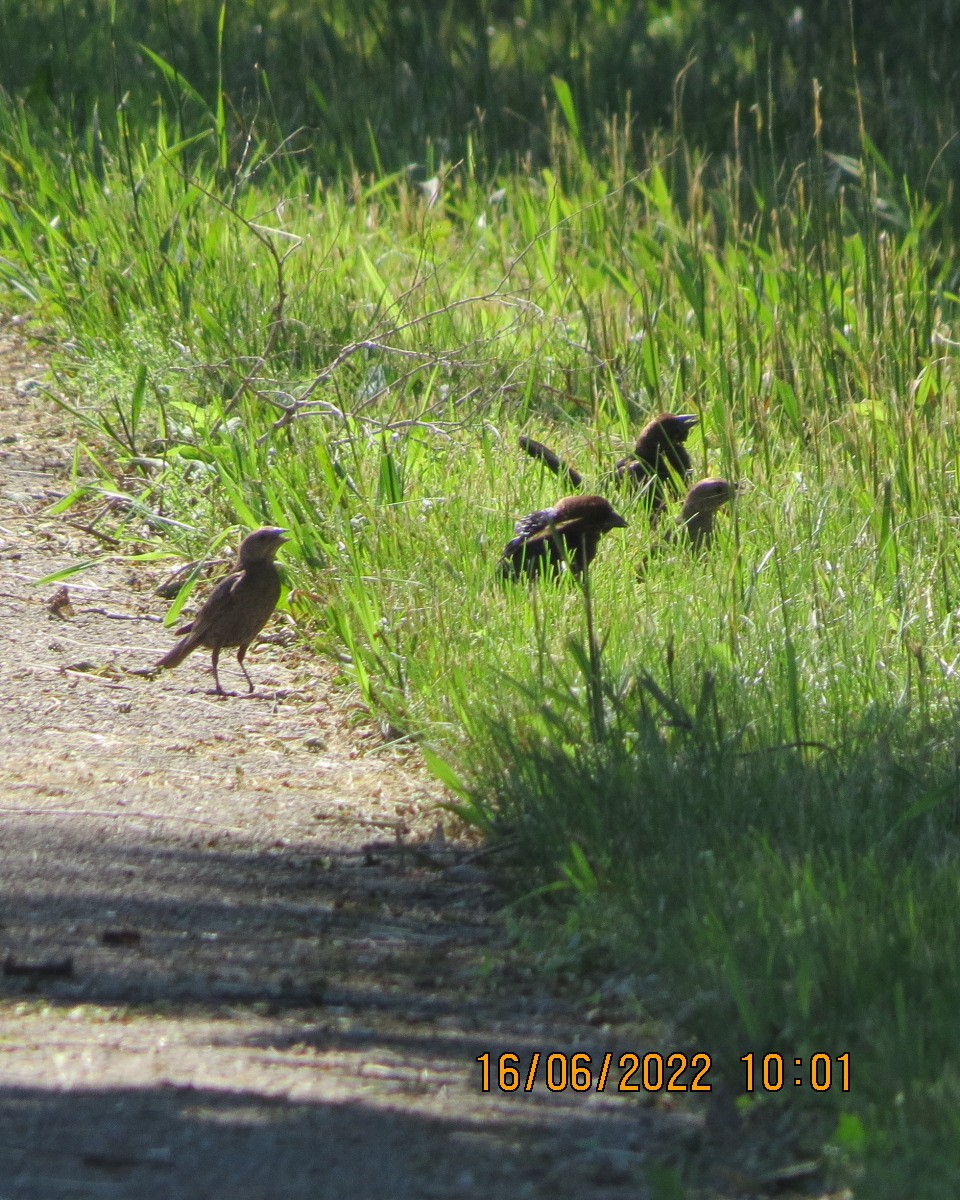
<point x="253" y="966"/>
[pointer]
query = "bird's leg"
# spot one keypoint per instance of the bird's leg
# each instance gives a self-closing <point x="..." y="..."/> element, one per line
<point x="240" y="656"/>
<point x="215" y="658"/>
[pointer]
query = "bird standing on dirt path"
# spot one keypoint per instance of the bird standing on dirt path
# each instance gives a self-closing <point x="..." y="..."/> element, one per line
<point x="238" y="607"/>
<point x="567" y="535"/>
<point x="660" y="457"/>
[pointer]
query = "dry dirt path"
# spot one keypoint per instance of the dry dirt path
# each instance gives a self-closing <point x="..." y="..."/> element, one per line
<point x="266" y="989"/>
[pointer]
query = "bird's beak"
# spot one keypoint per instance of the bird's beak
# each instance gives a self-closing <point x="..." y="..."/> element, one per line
<point x="688" y="420"/>
<point x="278" y="533"/>
<point x="617" y="522"/>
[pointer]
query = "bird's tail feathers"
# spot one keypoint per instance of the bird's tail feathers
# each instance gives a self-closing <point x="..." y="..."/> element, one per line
<point x="175" y="656"/>
<point x="550" y="460"/>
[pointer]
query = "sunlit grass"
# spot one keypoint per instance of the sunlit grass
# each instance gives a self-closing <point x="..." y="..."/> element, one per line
<point x="750" y="790"/>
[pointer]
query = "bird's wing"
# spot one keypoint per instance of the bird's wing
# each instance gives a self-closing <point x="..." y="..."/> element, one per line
<point x="554" y="527"/>
<point x="221" y="600"/>
<point x="534" y="523"/>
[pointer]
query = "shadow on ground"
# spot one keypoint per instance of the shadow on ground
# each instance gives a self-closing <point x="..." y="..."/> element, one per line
<point x="194" y="1142"/>
<point x="220" y="920"/>
<point x="297" y="1020"/>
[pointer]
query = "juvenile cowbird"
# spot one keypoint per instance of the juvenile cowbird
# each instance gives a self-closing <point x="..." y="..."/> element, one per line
<point x="695" y="523"/>
<point x="549" y="459"/>
<point x="701" y="505"/>
<point x="238" y="607"/>
<point x="660" y="457"/>
<point x="553" y="539"/>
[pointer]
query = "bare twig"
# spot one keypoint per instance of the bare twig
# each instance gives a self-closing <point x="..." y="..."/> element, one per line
<point x="265" y="236"/>
<point x="378" y="342"/>
<point x="103" y="537"/>
<point x="117" y="616"/>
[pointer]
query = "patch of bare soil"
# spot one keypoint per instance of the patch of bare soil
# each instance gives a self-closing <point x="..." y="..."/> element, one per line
<point x="238" y="961"/>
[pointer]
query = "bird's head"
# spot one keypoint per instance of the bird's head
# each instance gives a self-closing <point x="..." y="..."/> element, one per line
<point x="261" y="545"/>
<point x="707" y="496"/>
<point x="667" y="427"/>
<point x="589" y="512"/>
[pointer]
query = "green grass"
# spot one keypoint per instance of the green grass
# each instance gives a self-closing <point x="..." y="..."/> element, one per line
<point x="377" y="85"/>
<point x="748" y="787"/>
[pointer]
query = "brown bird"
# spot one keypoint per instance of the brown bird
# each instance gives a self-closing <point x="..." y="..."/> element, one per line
<point x="702" y="503"/>
<point x="238" y="607"/>
<point x="565" y="536"/>
<point x="660" y="457"/>
<point x="695" y="523"/>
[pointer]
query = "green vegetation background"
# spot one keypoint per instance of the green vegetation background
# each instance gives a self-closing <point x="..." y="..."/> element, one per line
<point x="319" y="265"/>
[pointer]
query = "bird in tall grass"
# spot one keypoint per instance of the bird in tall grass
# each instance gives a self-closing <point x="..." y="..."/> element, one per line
<point x="562" y="538"/>
<point x="238" y="607"/>
<point x="700" y="506"/>
<point x="660" y="462"/>
<point x="695" y="524"/>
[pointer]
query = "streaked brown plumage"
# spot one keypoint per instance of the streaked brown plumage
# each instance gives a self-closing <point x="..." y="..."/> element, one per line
<point x="566" y="536"/>
<point x="660" y="458"/>
<point x="238" y="607"/>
